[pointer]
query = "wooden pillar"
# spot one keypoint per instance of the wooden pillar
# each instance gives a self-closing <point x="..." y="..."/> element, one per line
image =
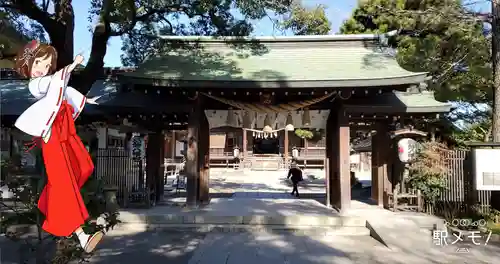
<point x="285" y="147"/>
<point x="380" y="159"/>
<point x="245" y="142"/>
<point x="306" y="146"/>
<point x="338" y="153"/>
<point x="330" y="157"/>
<point x="173" y="145"/>
<point x="204" y="160"/>
<point x="192" y="164"/>
<point x="154" y="164"/>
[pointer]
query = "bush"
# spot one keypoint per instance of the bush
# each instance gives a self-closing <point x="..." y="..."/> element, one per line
<point x="22" y="211"/>
<point x="303" y="133"/>
<point x="428" y="171"/>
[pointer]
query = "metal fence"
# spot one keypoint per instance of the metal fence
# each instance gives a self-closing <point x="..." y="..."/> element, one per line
<point x="115" y="167"/>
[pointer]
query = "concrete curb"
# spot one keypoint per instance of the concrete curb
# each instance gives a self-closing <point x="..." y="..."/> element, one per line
<point x="235" y="228"/>
<point x="385" y="235"/>
<point x="293" y="220"/>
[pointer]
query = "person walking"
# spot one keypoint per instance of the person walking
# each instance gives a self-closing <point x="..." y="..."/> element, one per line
<point x="295" y="175"/>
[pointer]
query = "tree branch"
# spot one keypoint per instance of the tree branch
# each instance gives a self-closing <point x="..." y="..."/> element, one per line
<point x="45" y="5"/>
<point x="465" y="15"/>
<point x="32" y="11"/>
<point x="146" y="16"/>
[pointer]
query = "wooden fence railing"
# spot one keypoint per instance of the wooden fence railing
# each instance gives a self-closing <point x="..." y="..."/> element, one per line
<point x="458" y="186"/>
<point x="115" y="167"/>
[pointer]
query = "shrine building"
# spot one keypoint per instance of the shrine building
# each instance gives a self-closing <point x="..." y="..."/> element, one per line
<point x="252" y="101"/>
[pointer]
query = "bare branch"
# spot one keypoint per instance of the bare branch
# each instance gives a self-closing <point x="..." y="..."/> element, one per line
<point x="45" y="5"/>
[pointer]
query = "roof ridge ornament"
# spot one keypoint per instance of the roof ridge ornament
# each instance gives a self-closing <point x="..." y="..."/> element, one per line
<point x="418" y="88"/>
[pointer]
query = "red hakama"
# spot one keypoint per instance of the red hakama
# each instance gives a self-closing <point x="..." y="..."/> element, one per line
<point x="68" y="166"/>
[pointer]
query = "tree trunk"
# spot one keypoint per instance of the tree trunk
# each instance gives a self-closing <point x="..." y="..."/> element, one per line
<point x="61" y="30"/>
<point x="495" y="54"/>
<point x="61" y="33"/>
<point x="95" y="64"/>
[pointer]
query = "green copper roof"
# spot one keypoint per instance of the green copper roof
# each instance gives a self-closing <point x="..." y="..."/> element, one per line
<point x="402" y="102"/>
<point x="338" y="60"/>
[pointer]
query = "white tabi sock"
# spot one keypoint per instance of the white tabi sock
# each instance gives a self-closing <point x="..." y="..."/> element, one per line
<point x="84" y="238"/>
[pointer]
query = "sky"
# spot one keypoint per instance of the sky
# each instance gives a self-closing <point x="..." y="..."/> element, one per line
<point x="337" y="11"/>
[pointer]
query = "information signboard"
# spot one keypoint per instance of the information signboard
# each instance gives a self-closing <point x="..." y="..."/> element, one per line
<point x="137" y="147"/>
<point x="486" y="169"/>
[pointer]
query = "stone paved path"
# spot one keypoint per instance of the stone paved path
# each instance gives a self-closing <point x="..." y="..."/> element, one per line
<point x="262" y="247"/>
<point x="126" y="247"/>
<point x="287" y="248"/>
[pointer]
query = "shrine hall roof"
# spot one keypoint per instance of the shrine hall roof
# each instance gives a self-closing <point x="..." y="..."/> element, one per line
<point x="15" y="96"/>
<point x="268" y="62"/>
<point x="401" y="102"/>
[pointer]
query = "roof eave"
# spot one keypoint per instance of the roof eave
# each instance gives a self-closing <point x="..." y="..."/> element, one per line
<point x="264" y="39"/>
<point x="414" y="78"/>
<point x="430" y="109"/>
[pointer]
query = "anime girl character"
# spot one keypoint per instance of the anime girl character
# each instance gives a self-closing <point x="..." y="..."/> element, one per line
<point x="67" y="161"/>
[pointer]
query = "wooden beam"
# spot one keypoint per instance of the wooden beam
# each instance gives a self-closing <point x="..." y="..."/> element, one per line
<point x="245" y="142"/>
<point x="173" y="145"/>
<point x="154" y="175"/>
<point x="338" y="155"/>
<point x="286" y="147"/>
<point x="192" y="170"/>
<point x="204" y="160"/>
<point x="330" y="160"/>
<point x="380" y="149"/>
<point x="344" y="161"/>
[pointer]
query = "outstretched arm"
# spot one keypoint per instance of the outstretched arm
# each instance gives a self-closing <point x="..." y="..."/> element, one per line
<point x="78" y="60"/>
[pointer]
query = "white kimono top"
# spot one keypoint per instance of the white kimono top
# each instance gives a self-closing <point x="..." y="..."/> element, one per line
<point x="50" y="91"/>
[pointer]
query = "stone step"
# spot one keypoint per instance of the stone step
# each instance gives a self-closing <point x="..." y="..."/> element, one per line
<point x="231" y="228"/>
<point x="400" y="233"/>
<point x="128" y="217"/>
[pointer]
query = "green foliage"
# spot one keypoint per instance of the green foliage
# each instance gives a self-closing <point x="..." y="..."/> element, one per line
<point x="203" y="18"/>
<point x="138" y="22"/>
<point x="477" y="132"/>
<point x="304" y="134"/>
<point x="441" y="41"/>
<point x="307" y="21"/>
<point x="15" y="32"/>
<point x="22" y="210"/>
<point x="427" y="172"/>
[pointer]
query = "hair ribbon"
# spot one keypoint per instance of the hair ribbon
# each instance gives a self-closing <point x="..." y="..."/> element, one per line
<point x="28" y="52"/>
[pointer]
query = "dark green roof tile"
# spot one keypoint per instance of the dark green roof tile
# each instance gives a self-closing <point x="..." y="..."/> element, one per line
<point x="323" y="58"/>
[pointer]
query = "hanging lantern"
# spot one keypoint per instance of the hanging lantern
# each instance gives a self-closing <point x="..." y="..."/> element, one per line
<point x="247" y="120"/>
<point x="267" y="124"/>
<point x="289" y="123"/>
<point x="236" y="152"/>
<point x="231" y="120"/>
<point x="295" y="153"/>
<point x="306" y="118"/>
